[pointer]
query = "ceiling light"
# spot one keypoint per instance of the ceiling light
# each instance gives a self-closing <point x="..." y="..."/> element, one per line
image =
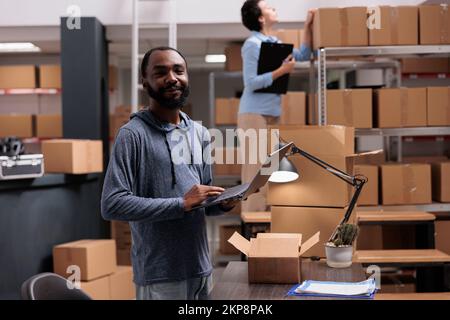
<point x="215" y="58"/>
<point x="18" y="47"/>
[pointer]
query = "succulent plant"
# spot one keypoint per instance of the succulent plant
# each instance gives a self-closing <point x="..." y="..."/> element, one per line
<point x="345" y="235"/>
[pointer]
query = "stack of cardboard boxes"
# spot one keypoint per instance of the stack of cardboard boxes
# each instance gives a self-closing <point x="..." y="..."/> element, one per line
<point x="226" y="111"/>
<point x="28" y="125"/>
<point x="400" y="25"/>
<point x="121" y="233"/>
<point x="94" y="263"/>
<point x="317" y="200"/>
<point x="293" y="108"/>
<point x="392" y="107"/>
<point x="119" y="118"/>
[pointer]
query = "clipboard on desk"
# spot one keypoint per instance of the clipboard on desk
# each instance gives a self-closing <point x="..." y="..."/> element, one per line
<point x="271" y="57"/>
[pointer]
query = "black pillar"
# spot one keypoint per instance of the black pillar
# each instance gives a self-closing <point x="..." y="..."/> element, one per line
<point x="84" y="62"/>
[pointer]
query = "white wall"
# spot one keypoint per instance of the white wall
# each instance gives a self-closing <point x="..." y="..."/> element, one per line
<point x="118" y="12"/>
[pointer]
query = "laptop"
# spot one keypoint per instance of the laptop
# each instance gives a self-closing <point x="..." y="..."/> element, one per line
<point x="271" y="57"/>
<point x="242" y="191"/>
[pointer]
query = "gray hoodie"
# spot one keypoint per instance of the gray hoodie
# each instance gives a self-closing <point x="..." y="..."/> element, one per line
<point x="145" y="183"/>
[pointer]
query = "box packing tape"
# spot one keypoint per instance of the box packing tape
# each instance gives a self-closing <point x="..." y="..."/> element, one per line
<point x="348" y="107"/>
<point x="443" y="24"/>
<point x="409" y="185"/>
<point x="394" y="16"/>
<point x="404" y="102"/>
<point x="343" y="19"/>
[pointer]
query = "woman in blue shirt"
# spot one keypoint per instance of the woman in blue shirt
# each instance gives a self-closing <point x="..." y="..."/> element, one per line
<point x="258" y="110"/>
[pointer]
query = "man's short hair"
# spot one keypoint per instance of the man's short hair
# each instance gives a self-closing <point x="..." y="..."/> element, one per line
<point x="250" y="13"/>
<point x="146" y="58"/>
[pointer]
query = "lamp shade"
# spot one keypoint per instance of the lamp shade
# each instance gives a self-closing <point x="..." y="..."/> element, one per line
<point x="286" y="172"/>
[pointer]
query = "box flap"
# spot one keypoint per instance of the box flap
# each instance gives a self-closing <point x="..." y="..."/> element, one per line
<point x="310" y="243"/>
<point x="240" y="243"/>
<point x="375" y="157"/>
<point x="274" y="247"/>
<point x="281" y="235"/>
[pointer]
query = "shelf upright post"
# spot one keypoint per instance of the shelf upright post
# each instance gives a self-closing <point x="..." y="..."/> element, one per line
<point x="312" y="90"/>
<point x="322" y="86"/>
<point x="212" y="99"/>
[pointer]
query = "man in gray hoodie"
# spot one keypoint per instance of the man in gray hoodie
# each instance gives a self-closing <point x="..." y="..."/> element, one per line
<point x="160" y="168"/>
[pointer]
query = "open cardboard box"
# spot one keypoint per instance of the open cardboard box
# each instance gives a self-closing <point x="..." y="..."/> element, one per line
<point x="274" y="257"/>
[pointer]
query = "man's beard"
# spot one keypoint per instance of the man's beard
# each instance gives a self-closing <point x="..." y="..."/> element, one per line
<point x="169" y="103"/>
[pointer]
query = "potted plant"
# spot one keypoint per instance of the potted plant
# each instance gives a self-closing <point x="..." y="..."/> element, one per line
<point x="339" y="251"/>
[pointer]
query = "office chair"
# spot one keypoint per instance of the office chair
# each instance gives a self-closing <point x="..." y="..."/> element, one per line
<point x="50" y="286"/>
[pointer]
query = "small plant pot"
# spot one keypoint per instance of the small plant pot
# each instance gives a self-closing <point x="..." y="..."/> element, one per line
<point x="338" y="257"/>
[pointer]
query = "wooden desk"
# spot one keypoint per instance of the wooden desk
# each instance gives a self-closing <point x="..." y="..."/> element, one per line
<point x="233" y="285"/>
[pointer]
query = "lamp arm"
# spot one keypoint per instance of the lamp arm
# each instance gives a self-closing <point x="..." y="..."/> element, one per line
<point x="358" y="188"/>
<point x="335" y="171"/>
<point x="356" y="181"/>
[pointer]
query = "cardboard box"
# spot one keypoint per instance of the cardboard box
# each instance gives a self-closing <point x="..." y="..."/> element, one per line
<point x="120" y="229"/>
<point x="116" y="121"/>
<point x="316" y="140"/>
<point x="124" y="242"/>
<point x="350" y="107"/>
<point x="307" y="221"/>
<point x="376" y="158"/>
<point x="274" y="257"/>
<point x="425" y="65"/>
<point x="225" y="233"/>
<point x="73" y="156"/>
<point x="293" y="108"/>
<point x="234" y="57"/>
<point x="17" y="125"/>
<point x="226" y="111"/>
<point x="97" y="289"/>
<point x="291" y="36"/>
<point x="113" y="77"/>
<point x="124" y="257"/>
<point x="340" y="27"/>
<point x="96" y="258"/>
<point x="226" y="162"/>
<point x="50" y="76"/>
<point x="438" y="106"/>
<point x="434" y="24"/>
<point x="49" y="126"/>
<point x="369" y="193"/>
<point x="441" y="181"/>
<point x="401" y="107"/>
<point x="316" y="186"/>
<point x="405" y="183"/>
<point x="17" y="77"/>
<point x="399" y="26"/>
<point x="121" y="286"/>
<point x="443" y="235"/>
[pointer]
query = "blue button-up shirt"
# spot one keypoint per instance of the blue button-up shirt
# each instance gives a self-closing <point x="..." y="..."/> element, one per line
<point x="262" y="103"/>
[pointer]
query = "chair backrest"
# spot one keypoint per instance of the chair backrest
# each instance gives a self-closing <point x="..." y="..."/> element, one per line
<point x="50" y="286"/>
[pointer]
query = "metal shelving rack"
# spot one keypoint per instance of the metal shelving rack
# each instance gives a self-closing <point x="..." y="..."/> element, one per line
<point x="386" y="133"/>
<point x="375" y="51"/>
<point x="393" y="76"/>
